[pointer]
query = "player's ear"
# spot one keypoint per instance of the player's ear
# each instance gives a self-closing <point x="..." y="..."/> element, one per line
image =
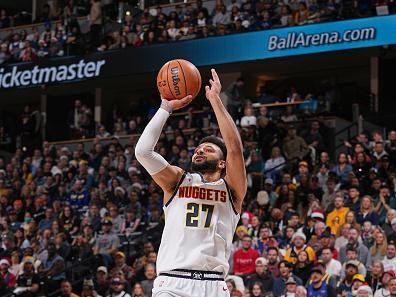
<point x="222" y="164"/>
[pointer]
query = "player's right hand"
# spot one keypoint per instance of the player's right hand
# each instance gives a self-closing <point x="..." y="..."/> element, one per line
<point x="172" y="105"/>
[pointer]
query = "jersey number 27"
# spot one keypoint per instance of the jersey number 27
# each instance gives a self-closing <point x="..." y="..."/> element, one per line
<point x="193" y="214"/>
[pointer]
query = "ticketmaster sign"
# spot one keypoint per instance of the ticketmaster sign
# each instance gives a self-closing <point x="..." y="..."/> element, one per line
<point x="37" y="75"/>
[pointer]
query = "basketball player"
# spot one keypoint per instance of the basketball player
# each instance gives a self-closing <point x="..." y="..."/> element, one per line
<point x="202" y="207"/>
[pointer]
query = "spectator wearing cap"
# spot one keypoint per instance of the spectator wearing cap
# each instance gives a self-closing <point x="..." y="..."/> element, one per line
<point x="291" y="287"/>
<point x="357" y="281"/>
<point x="28" y="282"/>
<point x="387" y="281"/>
<point x="353" y="240"/>
<point x="101" y="280"/>
<point x="8" y="279"/>
<point x="285" y="271"/>
<point x="261" y="275"/>
<point x="298" y="244"/>
<point x="120" y="263"/>
<point x="336" y="217"/>
<point x="326" y="240"/>
<point x="107" y="243"/>
<point x="352" y="258"/>
<point x="303" y="170"/>
<point x="269" y="187"/>
<point x="13" y="224"/>
<point x="318" y="287"/>
<point x="244" y="258"/>
<point x="333" y="266"/>
<point x="245" y="219"/>
<point x="367" y="212"/>
<point x="240" y="232"/>
<point x="364" y="291"/>
<point x="389" y="260"/>
<point x="117" y="288"/>
<point x="88" y="289"/>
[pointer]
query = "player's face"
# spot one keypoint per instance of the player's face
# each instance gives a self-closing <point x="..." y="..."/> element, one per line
<point x="207" y="157"/>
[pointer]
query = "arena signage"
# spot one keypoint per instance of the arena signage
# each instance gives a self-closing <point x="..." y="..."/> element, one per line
<point x="16" y="77"/>
<point x="251" y="46"/>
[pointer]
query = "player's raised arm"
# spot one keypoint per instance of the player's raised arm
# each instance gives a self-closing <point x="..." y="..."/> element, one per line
<point x="235" y="163"/>
<point x="165" y="175"/>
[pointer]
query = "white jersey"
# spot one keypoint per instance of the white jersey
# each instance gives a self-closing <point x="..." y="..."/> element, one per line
<point x="200" y="221"/>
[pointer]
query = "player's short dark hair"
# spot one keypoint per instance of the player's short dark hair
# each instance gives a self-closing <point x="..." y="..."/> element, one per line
<point x="217" y="141"/>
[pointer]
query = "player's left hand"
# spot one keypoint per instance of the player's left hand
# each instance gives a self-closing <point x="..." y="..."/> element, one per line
<point x="213" y="91"/>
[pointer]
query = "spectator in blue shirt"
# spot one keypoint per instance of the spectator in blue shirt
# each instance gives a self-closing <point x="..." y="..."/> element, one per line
<point x="79" y="198"/>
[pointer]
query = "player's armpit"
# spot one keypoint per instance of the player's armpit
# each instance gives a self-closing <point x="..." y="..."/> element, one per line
<point x="168" y="179"/>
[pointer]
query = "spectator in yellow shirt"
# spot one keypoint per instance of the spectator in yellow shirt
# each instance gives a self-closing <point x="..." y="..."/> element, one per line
<point x="298" y="245"/>
<point x="336" y="218"/>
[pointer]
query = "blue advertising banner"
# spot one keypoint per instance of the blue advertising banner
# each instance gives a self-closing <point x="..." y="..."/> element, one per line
<point x="290" y="41"/>
<point x="258" y="45"/>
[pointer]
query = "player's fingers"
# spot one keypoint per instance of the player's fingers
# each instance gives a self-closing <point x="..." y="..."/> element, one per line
<point x="211" y="82"/>
<point x="207" y="89"/>
<point x="188" y="97"/>
<point x="214" y="75"/>
<point x="186" y="100"/>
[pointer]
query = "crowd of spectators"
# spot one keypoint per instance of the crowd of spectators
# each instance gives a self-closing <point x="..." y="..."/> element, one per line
<point x="135" y="28"/>
<point x="89" y="222"/>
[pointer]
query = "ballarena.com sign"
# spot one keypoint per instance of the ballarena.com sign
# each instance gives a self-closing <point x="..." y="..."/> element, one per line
<point x="49" y="74"/>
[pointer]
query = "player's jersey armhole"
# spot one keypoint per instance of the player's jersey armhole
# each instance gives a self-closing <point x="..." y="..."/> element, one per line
<point x="231" y="197"/>
<point x="176" y="189"/>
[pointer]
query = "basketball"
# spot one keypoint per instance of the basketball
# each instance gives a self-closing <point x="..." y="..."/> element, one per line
<point x="177" y="79"/>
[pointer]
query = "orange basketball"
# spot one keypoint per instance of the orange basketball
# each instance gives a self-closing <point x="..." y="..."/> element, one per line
<point x="177" y="79"/>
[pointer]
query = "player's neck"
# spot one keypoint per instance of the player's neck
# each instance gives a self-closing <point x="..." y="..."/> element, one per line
<point x="211" y="176"/>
